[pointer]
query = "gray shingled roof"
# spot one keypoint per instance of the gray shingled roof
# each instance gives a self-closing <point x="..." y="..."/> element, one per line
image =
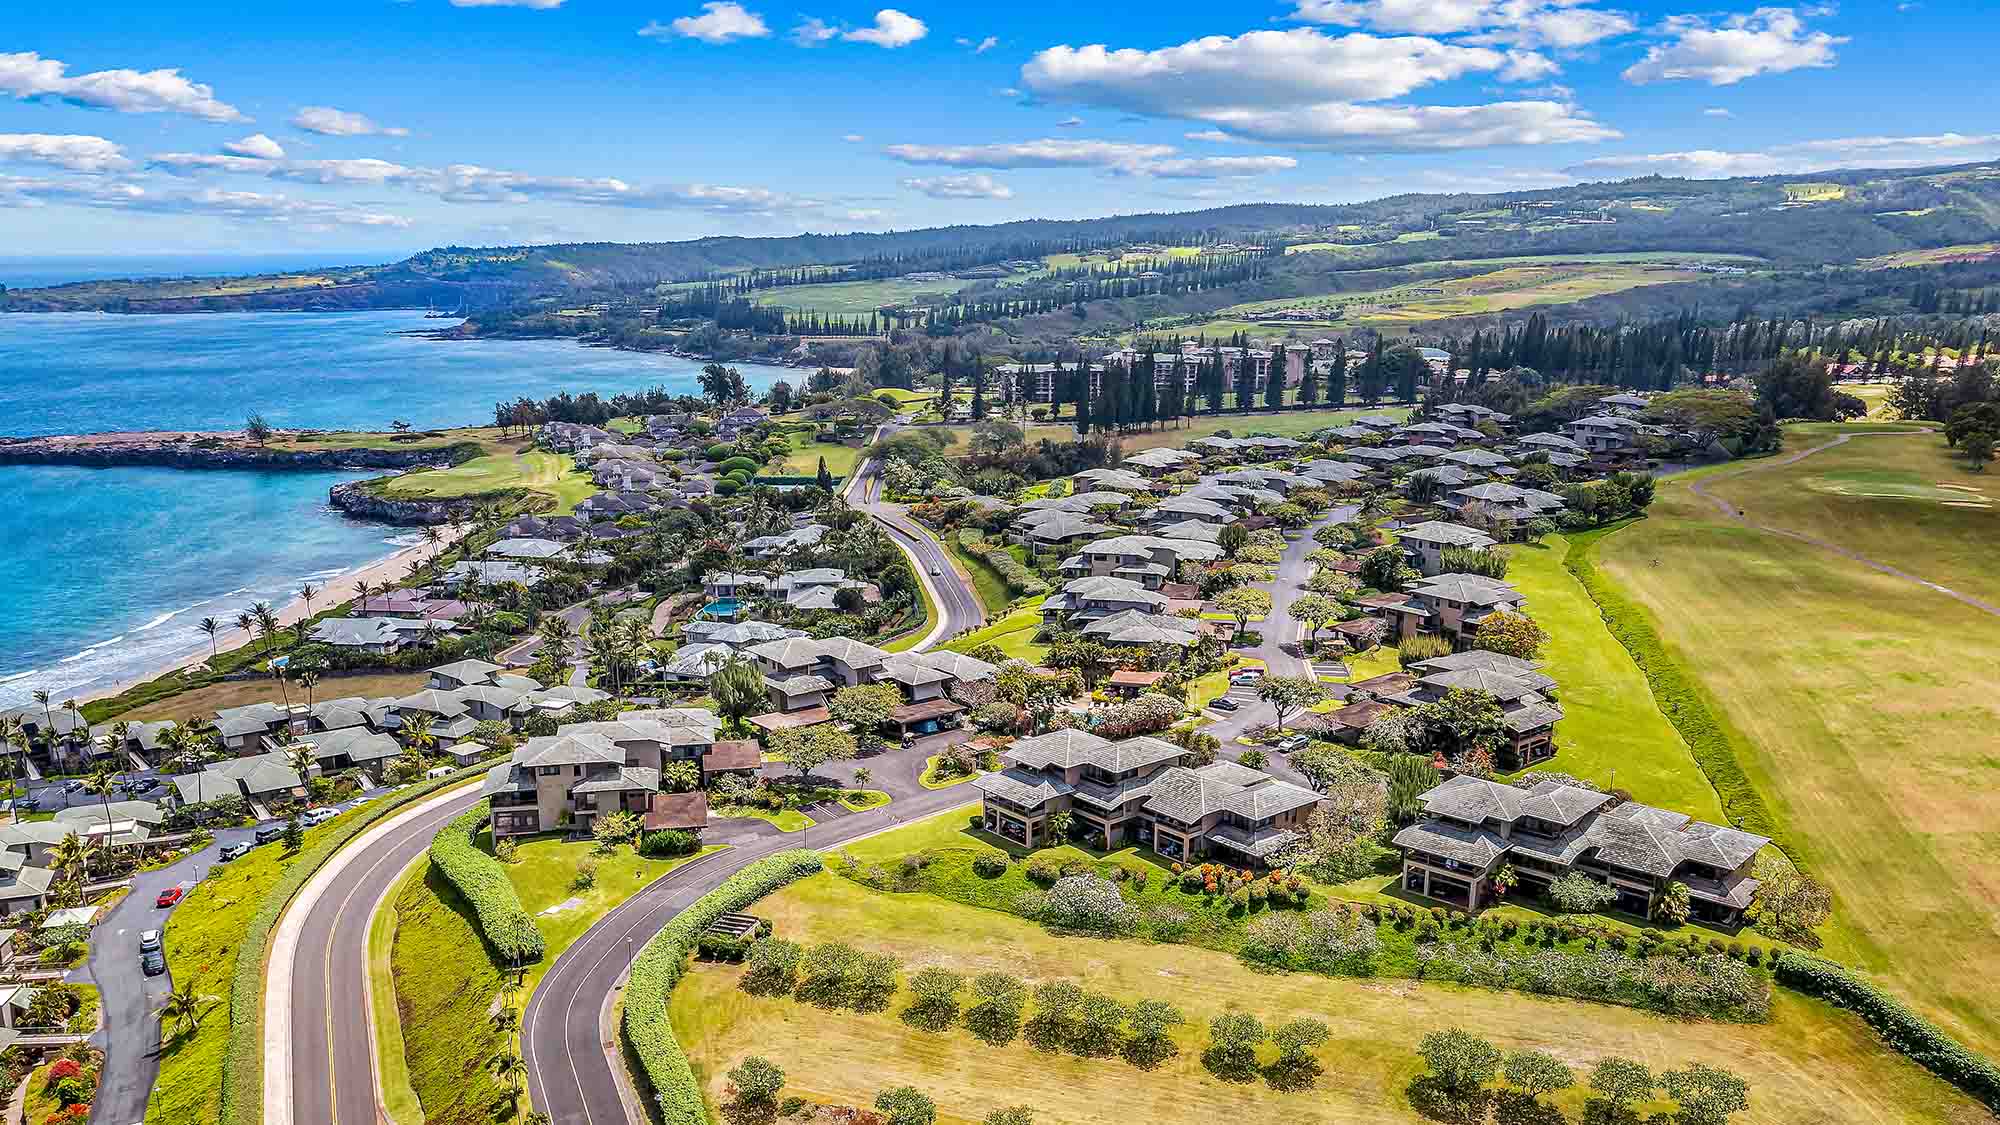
<point x="1475" y="846"/>
<point x="1023" y="787"/>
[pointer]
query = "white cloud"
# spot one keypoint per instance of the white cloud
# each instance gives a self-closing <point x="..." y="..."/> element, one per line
<point x="1801" y="157"/>
<point x="1069" y="123"/>
<point x="979" y="46"/>
<point x="1123" y="158"/>
<point x="1211" y="135"/>
<point x="330" y="122"/>
<point x="812" y="32"/>
<point x="975" y="185"/>
<point x="1716" y="111"/>
<point x="721" y="21"/>
<point x="854" y="138"/>
<point x="1766" y="41"/>
<point x="196" y="163"/>
<point x="1302" y="87"/>
<point x="29" y="75"/>
<point x="892" y="29"/>
<point x="256" y="145"/>
<point x="74" y="152"/>
<point x="1563" y="24"/>
<point x="302" y="214"/>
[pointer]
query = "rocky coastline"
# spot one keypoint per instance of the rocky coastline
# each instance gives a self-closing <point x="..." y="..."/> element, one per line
<point x="356" y="501"/>
<point x="208" y="451"/>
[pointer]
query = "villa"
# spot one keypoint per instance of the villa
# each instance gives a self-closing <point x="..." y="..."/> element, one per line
<point x="1425" y="543"/>
<point x="1451" y="606"/>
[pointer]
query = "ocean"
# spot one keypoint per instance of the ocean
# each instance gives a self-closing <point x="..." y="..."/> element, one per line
<point x="107" y="571"/>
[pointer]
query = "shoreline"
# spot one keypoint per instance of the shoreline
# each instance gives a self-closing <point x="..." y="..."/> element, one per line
<point x="392" y="567"/>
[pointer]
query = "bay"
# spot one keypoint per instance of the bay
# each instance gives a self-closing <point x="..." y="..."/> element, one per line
<point x="104" y="573"/>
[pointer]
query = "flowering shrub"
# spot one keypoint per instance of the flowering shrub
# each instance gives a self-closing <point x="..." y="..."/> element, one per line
<point x="1324" y="941"/>
<point x="1147" y="714"/>
<point x="65" y="1068"/>
<point x="1090" y="903"/>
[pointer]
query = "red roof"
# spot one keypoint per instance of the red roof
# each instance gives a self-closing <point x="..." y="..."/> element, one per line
<point x="1125" y="677"/>
<point x="789" y="720"/>
<point x="743" y="754"/>
<point x="677" y="810"/>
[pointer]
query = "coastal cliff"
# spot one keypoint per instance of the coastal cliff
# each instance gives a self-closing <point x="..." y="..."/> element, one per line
<point x="355" y="499"/>
<point x="216" y="451"/>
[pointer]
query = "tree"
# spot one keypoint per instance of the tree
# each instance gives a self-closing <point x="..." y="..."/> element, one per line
<point x="1461" y="1061"/>
<point x="1232" y="539"/>
<point x="257" y="429"/>
<point x="71" y="856"/>
<point x="184" y="1006"/>
<point x="1621" y="1081"/>
<point x="210" y="628"/>
<point x="1232" y="1050"/>
<point x="1315" y="611"/>
<point x="1011" y="1115"/>
<point x="809" y="748"/>
<point x="295" y="832"/>
<point x="1706" y="1095"/>
<point x="757" y="1080"/>
<point x="511" y="1069"/>
<point x="996" y="1017"/>
<point x="1578" y="893"/>
<point x="936" y="991"/>
<point x="1289" y="694"/>
<point x="1977" y="449"/>
<point x="1384" y="569"/>
<point x="1510" y="634"/>
<point x="1790" y="904"/>
<point x="1299" y="1038"/>
<point x="824" y="477"/>
<point x="1538" y="1073"/>
<point x="1097" y="1022"/>
<point x="1152" y="1023"/>
<point x="103" y="777"/>
<point x="906" y="1105"/>
<point x="738" y="689"/>
<point x="1243" y="603"/>
<point x="866" y="710"/>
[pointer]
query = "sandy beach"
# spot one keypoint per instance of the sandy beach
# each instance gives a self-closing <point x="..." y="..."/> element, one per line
<point x="391" y="569"/>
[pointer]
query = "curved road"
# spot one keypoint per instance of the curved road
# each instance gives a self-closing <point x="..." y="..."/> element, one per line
<point x="333" y="1076"/>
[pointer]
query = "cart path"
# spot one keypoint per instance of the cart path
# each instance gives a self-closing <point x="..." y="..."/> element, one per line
<point x="1731" y="511"/>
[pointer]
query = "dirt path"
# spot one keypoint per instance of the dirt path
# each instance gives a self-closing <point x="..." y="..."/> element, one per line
<point x="1731" y="511"/>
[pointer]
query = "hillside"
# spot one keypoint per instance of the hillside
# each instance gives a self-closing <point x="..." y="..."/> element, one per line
<point x="1824" y="218"/>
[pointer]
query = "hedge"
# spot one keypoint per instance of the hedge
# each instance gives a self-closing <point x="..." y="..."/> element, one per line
<point x="1906" y="1032"/>
<point x="1676" y="695"/>
<point x="507" y="926"/>
<point x="1018" y="577"/>
<point x="243" y="1064"/>
<point x="648" y="1030"/>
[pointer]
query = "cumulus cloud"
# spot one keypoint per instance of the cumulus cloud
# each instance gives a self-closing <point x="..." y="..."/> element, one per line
<point x="974" y="185"/>
<point x="330" y="122"/>
<point x="1392" y="128"/>
<point x="74" y="152"/>
<point x="1562" y="24"/>
<point x="1766" y="41"/>
<point x="1123" y="158"/>
<point x="196" y="163"/>
<point x="1716" y="111"/>
<point x="303" y="214"/>
<point x="1801" y="157"/>
<point x="721" y="21"/>
<point x="256" y="145"/>
<point x="29" y="75"/>
<point x="812" y="32"/>
<point x="1069" y="123"/>
<point x="979" y="46"/>
<point x="891" y="29"/>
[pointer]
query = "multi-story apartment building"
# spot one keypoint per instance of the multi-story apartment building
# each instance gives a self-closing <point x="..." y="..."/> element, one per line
<point x="1471" y="827"/>
<point x="565" y="780"/>
<point x="1451" y="606"/>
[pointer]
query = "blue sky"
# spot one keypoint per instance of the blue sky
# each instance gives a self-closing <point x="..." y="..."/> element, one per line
<point x="385" y="126"/>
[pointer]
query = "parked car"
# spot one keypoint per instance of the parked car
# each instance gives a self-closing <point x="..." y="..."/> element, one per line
<point x="1225" y="704"/>
<point x="149" y="941"/>
<point x="269" y="832"/>
<point x="318" y="816"/>
<point x="1246" y="676"/>
<point x="440" y="771"/>
<point x="170" y="896"/>
<point x="237" y="850"/>
<point x="152" y="963"/>
<point x="1295" y="742"/>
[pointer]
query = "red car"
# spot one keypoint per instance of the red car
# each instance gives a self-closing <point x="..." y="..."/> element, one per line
<point x="170" y="896"/>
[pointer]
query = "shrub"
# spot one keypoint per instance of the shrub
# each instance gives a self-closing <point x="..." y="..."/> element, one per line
<point x="1906" y="1032"/>
<point x="722" y="947"/>
<point x="1578" y="893"/>
<point x="478" y="877"/>
<point x="1044" y="870"/>
<point x="1018" y="577"/>
<point x="659" y="967"/>
<point x="989" y="865"/>
<point x="1090" y="903"/>
<point x="1461" y="1060"/>
<point x="668" y="842"/>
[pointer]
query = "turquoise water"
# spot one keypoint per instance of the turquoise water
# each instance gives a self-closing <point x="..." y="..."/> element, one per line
<point x="106" y="572"/>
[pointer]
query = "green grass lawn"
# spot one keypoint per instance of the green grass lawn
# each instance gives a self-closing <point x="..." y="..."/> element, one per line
<point x="1287" y="423"/>
<point x="1860" y="705"/>
<point x="1612" y="732"/>
<point x="849" y="298"/>
<point x="994" y="595"/>
<point x="399" y="1097"/>
<point x="363" y="439"/>
<point x="1013" y="634"/>
<point x="551" y="474"/>
<point x="1378" y="661"/>
<point x="861" y="800"/>
<point x="803" y="461"/>
<point x="786" y="820"/>
<point x="930" y="779"/>
<point x="843" y="1057"/>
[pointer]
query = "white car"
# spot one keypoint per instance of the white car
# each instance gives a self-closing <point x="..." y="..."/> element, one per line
<point x="1246" y="676"/>
<point x="319" y="816"/>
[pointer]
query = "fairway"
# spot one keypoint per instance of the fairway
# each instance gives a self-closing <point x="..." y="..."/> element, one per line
<point x="848" y="298"/>
<point x="1611" y="731"/>
<point x="551" y="474"/>
<point x="1865" y="707"/>
<point x="239" y="693"/>
<point x="1809" y="1065"/>
<point x="1511" y="286"/>
<point x="1286" y="423"/>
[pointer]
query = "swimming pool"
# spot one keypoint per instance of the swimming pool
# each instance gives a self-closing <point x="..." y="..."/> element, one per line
<point x="723" y="607"/>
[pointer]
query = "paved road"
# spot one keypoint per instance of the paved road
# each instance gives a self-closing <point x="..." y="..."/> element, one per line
<point x="958" y="601"/>
<point x="333" y="1051"/>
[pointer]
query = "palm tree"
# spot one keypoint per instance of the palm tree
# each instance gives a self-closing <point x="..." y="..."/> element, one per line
<point x="184" y="1006"/>
<point x="72" y="855"/>
<point x="77" y="729"/>
<point x="300" y="758"/>
<point x="48" y="718"/>
<point x="417" y="732"/>
<point x="246" y="623"/>
<point x="308" y="678"/>
<point x="507" y="1019"/>
<point x="14" y="736"/>
<point x="103" y="777"/>
<point x="361" y="590"/>
<point x="508" y="1068"/>
<point x="211" y="627"/>
<point x="278" y="674"/>
<point x="307" y="593"/>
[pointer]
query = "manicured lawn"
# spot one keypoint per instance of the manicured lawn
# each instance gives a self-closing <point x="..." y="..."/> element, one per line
<point x="1862" y="705"/>
<point x="908" y="639"/>
<point x="399" y="1098"/>
<point x="552" y="474"/>
<point x="1612" y="732"/>
<point x="843" y="1057"/>
<point x="786" y="820"/>
<point x="803" y="461"/>
<point x="861" y="800"/>
<point x="953" y="829"/>
<point x="543" y="874"/>
<point x="994" y="595"/>
<point x="362" y="439"/>
<point x="1378" y="661"/>
<point x="930" y="779"/>
<point x="1013" y="634"/>
<point x="263" y="689"/>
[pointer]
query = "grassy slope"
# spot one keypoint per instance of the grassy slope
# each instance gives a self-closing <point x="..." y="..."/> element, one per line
<point x="399" y="1098"/>
<point x="994" y="595"/>
<point x="1864" y="704"/>
<point x="1811" y="1065"/>
<point x="804" y="458"/>
<point x="849" y="298"/>
<point x="1611" y="731"/>
<point x="237" y="693"/>
<point x="552" y="474"/>
<point x="1014" y="634"/>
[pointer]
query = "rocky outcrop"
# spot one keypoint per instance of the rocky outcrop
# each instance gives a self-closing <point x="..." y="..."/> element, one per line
<point x="209" y="451"/>
<point x="357" y="499"/>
